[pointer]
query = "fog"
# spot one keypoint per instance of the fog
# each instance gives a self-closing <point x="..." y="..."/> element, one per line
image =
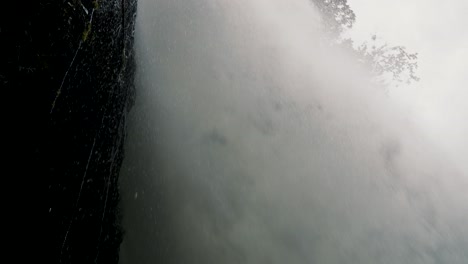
<point x="252" y="141"/>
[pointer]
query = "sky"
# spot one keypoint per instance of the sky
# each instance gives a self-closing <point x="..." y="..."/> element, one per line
<point x="437" y="31"/>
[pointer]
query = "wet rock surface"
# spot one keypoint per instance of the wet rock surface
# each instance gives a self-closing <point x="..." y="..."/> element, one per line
<point x="74" y="62"/>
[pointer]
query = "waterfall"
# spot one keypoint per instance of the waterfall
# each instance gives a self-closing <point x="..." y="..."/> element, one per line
<point x="253" y="141"/>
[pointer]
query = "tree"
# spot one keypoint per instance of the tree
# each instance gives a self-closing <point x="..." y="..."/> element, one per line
<point x="337" y="15"/>
<point x="387" y="63"/>
<point x="394" y="61"/>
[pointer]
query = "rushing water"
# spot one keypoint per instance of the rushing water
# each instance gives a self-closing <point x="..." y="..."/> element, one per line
<point x="252" y="141"/>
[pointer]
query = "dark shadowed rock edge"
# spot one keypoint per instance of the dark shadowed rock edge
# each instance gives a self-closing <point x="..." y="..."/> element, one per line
<point x="74" y="61"/>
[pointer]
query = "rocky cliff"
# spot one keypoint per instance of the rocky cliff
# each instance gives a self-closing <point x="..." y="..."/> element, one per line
<point x="75" y="61"/>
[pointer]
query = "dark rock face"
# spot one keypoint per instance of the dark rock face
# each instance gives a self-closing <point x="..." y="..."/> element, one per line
<point x="75" y="59"/>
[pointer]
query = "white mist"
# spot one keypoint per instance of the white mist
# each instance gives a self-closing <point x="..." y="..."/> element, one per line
<point x="251" y="141"/>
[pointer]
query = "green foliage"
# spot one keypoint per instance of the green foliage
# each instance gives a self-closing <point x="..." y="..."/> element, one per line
<point x="386" y="62"/>
<point x="86" y="32"/>
<point x="390" y="60"/>
<point x="337" y="14"/>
